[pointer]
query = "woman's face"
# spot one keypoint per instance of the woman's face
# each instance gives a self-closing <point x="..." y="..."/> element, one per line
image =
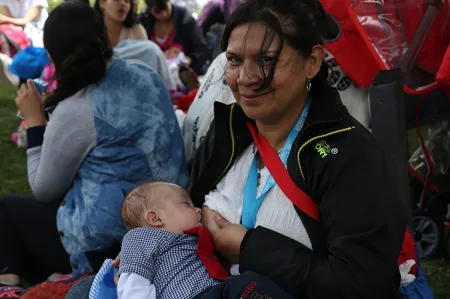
<point x="116" y="10"/>
<point x="244" y="76"/>
<point x="163" y="15"/>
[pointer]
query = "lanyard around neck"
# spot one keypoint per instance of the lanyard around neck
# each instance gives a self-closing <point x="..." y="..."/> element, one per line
<point x="251" y="202"/>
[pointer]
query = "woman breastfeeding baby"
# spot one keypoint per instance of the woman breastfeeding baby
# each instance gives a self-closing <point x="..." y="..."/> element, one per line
<point x="322" y="219"/>
<point x="345" y="248"/>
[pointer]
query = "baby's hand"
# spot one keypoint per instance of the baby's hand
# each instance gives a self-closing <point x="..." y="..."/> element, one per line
<point x="115" y="265"/>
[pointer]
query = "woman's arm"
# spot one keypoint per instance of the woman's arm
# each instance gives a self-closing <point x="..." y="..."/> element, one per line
<point x="31" y="15"/>
<point x="364" y="226"/>
<point x="54" y="157"/>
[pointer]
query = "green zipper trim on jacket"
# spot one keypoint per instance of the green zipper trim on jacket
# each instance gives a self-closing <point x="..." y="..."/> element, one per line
<point x="232" y="146"/>
<point x="315" y="138"/>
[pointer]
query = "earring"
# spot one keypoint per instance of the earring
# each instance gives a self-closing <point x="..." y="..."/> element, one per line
<point x="308" y="85"/>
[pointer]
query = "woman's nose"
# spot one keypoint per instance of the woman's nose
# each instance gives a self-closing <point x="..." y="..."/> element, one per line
<point x="249" y="73"/>
<point x="198" y="210"/>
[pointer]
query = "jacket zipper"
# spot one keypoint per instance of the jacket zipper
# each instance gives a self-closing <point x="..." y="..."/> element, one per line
<point x="315" y="138"/>
<point x="232" y="146"/>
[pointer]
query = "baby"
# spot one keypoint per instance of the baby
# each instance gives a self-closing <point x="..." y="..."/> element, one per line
<point x="176" y="60"/>
<point x="168" y="254"/>
<point x="160" y="253"/>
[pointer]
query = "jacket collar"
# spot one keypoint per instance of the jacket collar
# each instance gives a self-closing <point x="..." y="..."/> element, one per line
<point x="179" y="15"/>
<point x="326" y="107"/>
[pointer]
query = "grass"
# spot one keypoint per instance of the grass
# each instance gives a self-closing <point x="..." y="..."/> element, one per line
<point x="438" y="275"/>
<point x="13" y="170"/>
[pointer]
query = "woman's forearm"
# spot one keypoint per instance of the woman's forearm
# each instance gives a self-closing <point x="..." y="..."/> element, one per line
<point x="18" y="22"/>
<point x="31" y="15"/>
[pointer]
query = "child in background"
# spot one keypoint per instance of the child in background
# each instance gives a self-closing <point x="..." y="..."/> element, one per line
<point x="179" y="63"/>
<point x="175" y="58"/>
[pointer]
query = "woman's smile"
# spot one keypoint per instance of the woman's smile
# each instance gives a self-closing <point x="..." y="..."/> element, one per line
<point x="253" y="98"/>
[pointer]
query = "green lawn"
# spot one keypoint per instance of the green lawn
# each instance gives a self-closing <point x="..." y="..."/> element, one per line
<point x="13" y="171"/>
<point x="13" y="179"/>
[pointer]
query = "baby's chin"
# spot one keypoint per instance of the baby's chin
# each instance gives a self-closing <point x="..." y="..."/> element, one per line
<point x="198" y="224"/>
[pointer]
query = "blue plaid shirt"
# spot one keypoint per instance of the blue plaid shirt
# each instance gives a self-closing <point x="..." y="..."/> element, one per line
<point x="169" y="261"/>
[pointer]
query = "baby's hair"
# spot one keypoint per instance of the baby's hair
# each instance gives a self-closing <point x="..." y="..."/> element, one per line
<point x="138" y="200"/>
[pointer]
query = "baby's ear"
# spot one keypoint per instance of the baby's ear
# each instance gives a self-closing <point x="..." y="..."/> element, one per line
<point x="152" y="218"/>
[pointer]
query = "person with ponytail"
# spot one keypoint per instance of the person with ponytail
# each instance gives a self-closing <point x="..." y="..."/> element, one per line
<point x="109" y="125"/>
<point x="321" y="220"/>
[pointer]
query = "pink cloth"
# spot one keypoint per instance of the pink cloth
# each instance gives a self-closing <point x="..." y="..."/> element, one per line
<point x="47" y="76"/>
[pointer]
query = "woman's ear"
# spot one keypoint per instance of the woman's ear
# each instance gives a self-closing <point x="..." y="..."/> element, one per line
<point x="315" y="61"/>
<point x="152" y="218"/>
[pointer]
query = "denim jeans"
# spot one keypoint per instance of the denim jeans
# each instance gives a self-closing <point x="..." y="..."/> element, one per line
<point x="81" y="289"/>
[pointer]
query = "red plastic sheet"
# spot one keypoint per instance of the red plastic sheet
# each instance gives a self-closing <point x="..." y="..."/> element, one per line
<point x="384" y="30"/>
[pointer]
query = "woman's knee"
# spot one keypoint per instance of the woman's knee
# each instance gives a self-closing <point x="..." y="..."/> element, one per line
<point x="81" y="289"/>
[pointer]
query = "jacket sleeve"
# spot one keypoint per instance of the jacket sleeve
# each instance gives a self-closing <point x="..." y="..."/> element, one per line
<point x="364" y="225"/>
<point x="196" y="47"/>
<point x="201" y="156"/>
<point x="54" y="157"/>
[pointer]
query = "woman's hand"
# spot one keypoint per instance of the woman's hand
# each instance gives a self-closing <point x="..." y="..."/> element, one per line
<point x="29" y="103"/>
<point x="228" y="240"/>
<point x="211" y="219"/>
<point x="227" y="237"/>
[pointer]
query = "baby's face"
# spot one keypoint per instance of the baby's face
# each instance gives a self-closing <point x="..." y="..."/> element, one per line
<point x="172" y="53"/>
<point x="178" y="212"/>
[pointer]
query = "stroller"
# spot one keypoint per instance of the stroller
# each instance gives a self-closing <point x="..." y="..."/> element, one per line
<point x="429" y="166"/>
<point x="413" y="36"/>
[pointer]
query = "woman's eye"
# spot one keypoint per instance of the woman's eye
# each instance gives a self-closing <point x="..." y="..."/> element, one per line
<point x="266" y="60"/>
<point x="233" y="60"/>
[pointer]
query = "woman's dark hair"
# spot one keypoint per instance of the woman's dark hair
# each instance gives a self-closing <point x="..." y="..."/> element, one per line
<point x="129" y="21"/>
<point x="81" y="1"/>
<point x="76" y="39"/>
<point x="160" y="5"/>
<point x="300" y="23"/>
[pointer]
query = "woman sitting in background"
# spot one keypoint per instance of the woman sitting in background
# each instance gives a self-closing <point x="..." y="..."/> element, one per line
<point x="168" y="25"/>
<point x="30" y="14"/>
<point x="112" y="127"/>
<point x="120" y="19"/>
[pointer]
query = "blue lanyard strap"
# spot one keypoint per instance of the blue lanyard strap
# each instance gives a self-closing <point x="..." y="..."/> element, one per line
<point x="251" y="203"/>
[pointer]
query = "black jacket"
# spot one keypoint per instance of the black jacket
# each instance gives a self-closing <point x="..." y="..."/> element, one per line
<point x="187" y="34"/>
<point x="336" y="161"/>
